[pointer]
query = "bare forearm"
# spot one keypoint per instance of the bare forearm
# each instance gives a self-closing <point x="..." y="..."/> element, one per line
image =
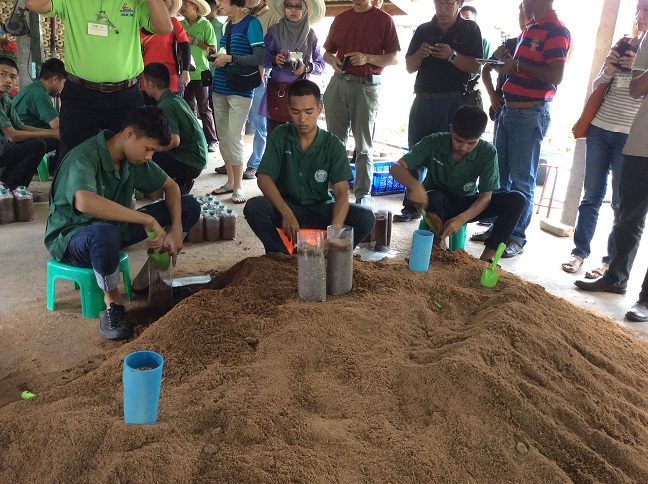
<point x="487" y="79"/>
<point x="383" y="60"/>
<point x="402" y="175"/>
<point x="330" y="59"/>
<point x="39" y="6"/>
<point x="466" y="64"/>
<point x="99" y="207"/>
<point x="160" y="19"/>
<point x="341" y="206"/>
<point x="478" y="206"/>
<point x="413" y="63"/>
<point x="551" y="73"/>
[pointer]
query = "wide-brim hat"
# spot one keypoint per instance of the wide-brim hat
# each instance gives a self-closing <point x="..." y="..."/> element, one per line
<point x="173" y="6"/>
<point x="252" y="3"/>
<point x="316" y="9"/>
<point x="203" y="7"/>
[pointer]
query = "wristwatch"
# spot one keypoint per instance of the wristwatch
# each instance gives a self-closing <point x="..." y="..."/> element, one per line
<point x="195" y="42"/>
<point x="452" y="57"/>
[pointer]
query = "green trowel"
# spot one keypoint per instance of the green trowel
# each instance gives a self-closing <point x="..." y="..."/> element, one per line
<point x="161" y="260"/>
<point x="489" y="276"/>
<point x="428" y="222"/>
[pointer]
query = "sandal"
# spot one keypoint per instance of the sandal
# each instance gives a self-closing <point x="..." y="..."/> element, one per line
<point x="596" y="273"/>
<point x="238" y="197"/>
<point x="574" y="265"/>
<point x="223" y="190"/>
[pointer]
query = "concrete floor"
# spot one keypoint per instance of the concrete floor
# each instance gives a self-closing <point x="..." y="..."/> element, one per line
<point x="40" y="346"/>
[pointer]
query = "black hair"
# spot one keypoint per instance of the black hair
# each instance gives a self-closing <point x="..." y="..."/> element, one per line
<point x="6" y="61"/>
<point x="469" y="122"/>
<point x="304" y="87"/>
<point x="238" y="3"/>
<point x="469" y="8"/>
<point x="51" y="68"/>
<point x="158" y="74"/>
<point x="211" y="3"/>
<point x="149" y="122"/>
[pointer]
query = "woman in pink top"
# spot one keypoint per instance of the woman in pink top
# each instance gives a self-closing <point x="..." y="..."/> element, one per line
<point x="160" y="48"/>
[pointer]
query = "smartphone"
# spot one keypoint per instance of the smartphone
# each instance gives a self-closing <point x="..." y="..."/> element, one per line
<point x="490" y="61"/>
<point x="435" y="39"/>
<point x="621" y="48"/>
<point x="345" y="63"/>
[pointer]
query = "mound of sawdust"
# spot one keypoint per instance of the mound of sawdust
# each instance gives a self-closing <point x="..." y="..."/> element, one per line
<point x="498" y="385"/>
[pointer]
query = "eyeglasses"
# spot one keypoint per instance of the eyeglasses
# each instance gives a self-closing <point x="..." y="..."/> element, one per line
<point x="290" y="6"/>
<point x="445" y="3"/>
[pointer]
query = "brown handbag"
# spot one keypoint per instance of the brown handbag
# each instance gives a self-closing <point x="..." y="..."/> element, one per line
<point x="277" y="97"/>
<point x="592" y="106"/>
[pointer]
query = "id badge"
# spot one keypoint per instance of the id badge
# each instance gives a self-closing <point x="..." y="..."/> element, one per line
<point x="99" y="30"/>
<point x="623" y="82"/>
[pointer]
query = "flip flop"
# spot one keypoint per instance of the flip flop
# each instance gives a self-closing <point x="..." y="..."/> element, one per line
<point x="223" y="190"/>
<point x="238" y="197"/>
<point x="574" y="265"/>
<point x="596" y="273"/>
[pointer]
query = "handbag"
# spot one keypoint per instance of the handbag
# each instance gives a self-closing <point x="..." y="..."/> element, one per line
<point x="239" y="77"/>
<point x="590" y="109"/>
<point x="277" y="97"/>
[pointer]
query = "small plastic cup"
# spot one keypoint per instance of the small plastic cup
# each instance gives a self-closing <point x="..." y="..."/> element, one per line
<point x="421" y="251"/>
<point x="458" y="240"/>
<point x="142" y="378"/>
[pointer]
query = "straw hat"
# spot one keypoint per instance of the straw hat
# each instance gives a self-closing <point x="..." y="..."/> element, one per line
<point x="252" y="3"/>
<point x="173" y="6"/>
<point x="316" y="9"/>
<point x="203" y="7"/>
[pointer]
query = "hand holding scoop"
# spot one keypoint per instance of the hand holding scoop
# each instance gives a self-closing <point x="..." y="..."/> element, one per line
<point x="161" y="260"/>
<point x="489" y="276"/>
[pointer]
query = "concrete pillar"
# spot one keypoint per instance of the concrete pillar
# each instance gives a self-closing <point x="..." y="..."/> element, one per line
<point x="604" y="40"/>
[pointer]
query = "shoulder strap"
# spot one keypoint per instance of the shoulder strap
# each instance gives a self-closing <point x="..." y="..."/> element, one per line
<point x="228" y="37"/>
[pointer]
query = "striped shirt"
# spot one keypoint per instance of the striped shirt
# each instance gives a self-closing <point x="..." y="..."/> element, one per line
<point x="246" y="34"/>
<point x="618" y="108"/>
<point x="540" y="44"/>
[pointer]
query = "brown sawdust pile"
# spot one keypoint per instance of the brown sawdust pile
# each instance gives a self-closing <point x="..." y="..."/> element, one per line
<point x="498" y="385"/>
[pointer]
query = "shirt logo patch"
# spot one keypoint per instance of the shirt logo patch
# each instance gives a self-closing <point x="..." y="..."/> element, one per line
<point x="535" y="44"/>
<point x="127" y="11"/>
<point x="469" y="187"/>
<point x="321" y="176"/>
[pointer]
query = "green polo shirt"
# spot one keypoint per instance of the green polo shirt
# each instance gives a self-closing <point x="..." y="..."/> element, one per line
<point x="8" y="117"/>
<point x="192" y="150"/>
<point x="303" y="179"/>
<point x="34" y="106"/>
<point x="93" y="49"/>
<point x="89" y="166"/>
<point x="204" y="32"/>
<point x="434" y="152"/>
<point x="217" y="25"/>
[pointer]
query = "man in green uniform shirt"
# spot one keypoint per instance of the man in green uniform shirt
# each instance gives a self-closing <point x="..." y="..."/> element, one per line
<point x="103" y="57"/>
<point x="34" y="102"/>
<point x="301" y="161"/>
<point x="90" y="216"/>
<point x="186" y="156"/>
<point x="22" y="147"/>
<point x="462" y="176"/>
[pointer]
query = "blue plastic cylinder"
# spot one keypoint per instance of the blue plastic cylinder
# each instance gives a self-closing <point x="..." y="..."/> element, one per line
<point x="142" y="378"/>
<point x="421" y="251"/>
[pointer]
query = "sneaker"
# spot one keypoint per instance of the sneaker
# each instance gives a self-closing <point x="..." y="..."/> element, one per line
<point x="113" y="324"/>
<point x="249" y="173"/>
<point x="512" y="249"/>
<point x="406" y="216"/>
<point x="221" y="170"/>
<point x="212" y="147"/>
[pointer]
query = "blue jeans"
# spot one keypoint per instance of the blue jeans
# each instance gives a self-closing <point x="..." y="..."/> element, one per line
<point x="98" y="245"/>
<point x="258" y="124"/>
<point x="604" y="153"/>
<point x="519" y="135"/>
<point x="264" y="219"/>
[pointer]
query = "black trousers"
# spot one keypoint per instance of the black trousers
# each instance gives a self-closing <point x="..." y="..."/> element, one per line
<point x="20" y="161"/>
<point x="506" y="206"/>
<point x="631" y="220"/>
<point x="176" y="169"/>
<point x="85" y="112"/>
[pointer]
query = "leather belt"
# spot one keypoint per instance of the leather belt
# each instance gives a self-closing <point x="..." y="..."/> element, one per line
<point x="360" y="79"/>
<point x="524" y="104"/>
<point x="103" y="86"/>
<point x="434" y="96"/>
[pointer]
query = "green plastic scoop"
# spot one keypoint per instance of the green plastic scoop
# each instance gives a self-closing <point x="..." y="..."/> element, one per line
<point x="489" y="276"/>
<point x="161" y="260"/>
<point x="428" y="222"/>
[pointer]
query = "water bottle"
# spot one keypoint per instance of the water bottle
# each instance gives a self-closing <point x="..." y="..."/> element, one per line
<point x="7" y="214"/>
<point x="23" y="204"/>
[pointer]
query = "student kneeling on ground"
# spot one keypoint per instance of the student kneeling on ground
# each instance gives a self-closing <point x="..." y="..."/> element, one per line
<point x="449" y="193"/>
<point x="186" y="156"/>
<point x="90" y="217"/>
<point x="301" y="161"/>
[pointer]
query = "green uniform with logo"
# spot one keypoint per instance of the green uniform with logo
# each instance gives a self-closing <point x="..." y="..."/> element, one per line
<point x="89" y="167"/>
<point x="8" y="117"/>
<point x="34" y="106"/>
<point x="94" y="50"/>
<point x="202" y="31"/>
<point x="192" y="150"/>
<point x="303" y="179"/>
<point x="434" y="152"/>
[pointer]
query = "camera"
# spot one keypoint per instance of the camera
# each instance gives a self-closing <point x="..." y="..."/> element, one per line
<point x="294" y="60"/>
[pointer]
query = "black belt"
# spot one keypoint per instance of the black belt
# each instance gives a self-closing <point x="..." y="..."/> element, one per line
<point x="360" y="79"/>
<point x="103" y="86"/>
<point x="435" y="96"/>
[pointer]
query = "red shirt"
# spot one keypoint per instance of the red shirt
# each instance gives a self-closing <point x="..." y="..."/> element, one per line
<point x="159" y="48"/>
<point x="371" y="32"/>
